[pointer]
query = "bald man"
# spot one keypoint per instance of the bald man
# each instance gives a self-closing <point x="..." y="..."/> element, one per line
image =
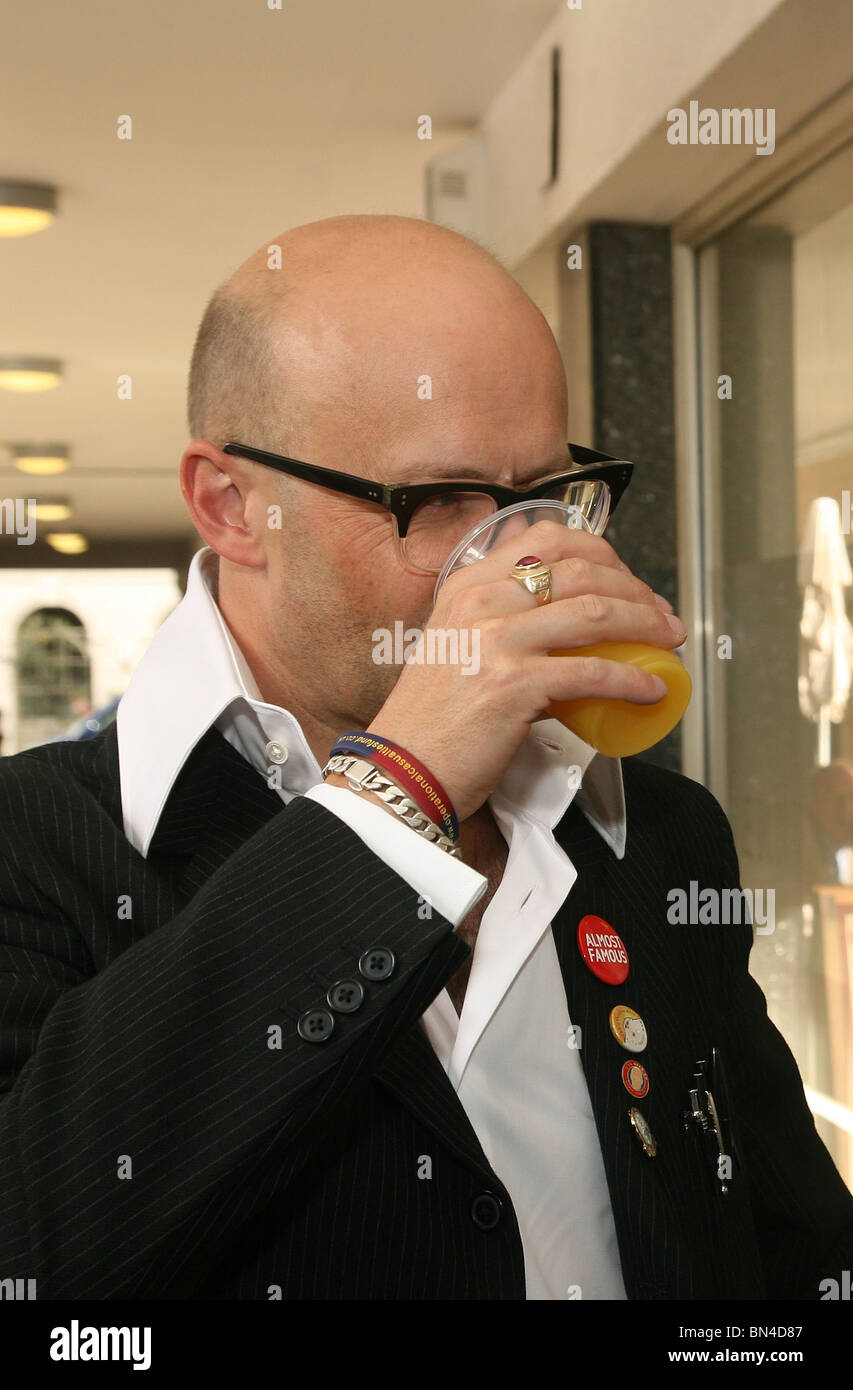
<point x="274" y="1034"/>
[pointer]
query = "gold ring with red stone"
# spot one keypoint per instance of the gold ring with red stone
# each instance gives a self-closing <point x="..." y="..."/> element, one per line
<point x="535" y="576"/>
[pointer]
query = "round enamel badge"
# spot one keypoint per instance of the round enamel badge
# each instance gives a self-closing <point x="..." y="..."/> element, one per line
<point x="628" y="1028"/>
<point x="603" y="950"/>
<point x="635" y="1079"/>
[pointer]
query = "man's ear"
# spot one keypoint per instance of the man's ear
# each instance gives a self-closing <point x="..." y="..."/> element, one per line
<point x="222" y="496"/>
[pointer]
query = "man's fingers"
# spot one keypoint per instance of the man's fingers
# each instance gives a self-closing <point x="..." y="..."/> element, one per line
<point x="579" y="677"/>
<point x="570" y="578"/>
<point x="578" y="622"/>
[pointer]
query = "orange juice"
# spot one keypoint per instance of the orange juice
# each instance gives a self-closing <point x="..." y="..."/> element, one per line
<point x="618" y="728"/>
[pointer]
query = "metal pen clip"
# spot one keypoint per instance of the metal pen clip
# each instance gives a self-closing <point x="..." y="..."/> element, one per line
<point x="704" y="1115"/>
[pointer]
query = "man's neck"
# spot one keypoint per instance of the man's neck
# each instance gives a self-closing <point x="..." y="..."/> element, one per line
<point x="480" y="838"/>
<point x="320" y="735"/>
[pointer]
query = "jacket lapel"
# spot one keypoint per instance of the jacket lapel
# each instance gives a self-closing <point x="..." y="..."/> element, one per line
<point x="652" y="1209"/>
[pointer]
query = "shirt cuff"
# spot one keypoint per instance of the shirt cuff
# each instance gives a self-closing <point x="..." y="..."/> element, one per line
<point x="447" y="884"/>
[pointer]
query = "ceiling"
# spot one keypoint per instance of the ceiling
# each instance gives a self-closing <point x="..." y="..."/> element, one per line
<point x="246" y="121"/>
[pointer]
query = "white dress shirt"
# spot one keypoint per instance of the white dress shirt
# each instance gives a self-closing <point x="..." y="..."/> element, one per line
<point x="509" y="1056"/>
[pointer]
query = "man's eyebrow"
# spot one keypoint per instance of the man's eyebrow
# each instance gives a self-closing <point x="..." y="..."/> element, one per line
<point x="433" y="470"/>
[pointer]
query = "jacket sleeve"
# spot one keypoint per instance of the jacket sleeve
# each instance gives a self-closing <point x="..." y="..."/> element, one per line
<point x="447" y="884"/>
<point x="802" y="1209"/>
<point x="151" y="1111"/>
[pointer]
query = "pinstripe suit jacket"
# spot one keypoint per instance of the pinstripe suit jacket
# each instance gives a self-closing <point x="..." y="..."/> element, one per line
<point x="140" y="1006"/>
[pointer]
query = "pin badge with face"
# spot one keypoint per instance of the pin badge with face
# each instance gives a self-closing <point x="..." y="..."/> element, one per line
<point x="628" y="1028"/>
<point x="635" y="1079"/>
<point x="642" y="1131"/>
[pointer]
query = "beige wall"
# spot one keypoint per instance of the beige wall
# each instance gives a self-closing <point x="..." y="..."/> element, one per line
<point x="624" y="65"/>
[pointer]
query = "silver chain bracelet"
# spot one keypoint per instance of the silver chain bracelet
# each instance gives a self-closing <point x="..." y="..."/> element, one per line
<point x="362" y="775"/>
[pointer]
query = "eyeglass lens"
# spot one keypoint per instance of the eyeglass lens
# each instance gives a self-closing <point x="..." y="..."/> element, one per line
<point x="440" y="522"/>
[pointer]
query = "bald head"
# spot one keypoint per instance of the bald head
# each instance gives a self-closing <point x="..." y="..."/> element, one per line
<point x="347" y="323"/>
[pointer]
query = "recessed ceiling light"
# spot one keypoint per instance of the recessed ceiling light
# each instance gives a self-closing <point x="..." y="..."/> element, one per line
<point x="40" y="458"/>
<point x="30" y="373"/>
<point x="67" y="542"/>
<point x="25" y="207"/>
<point x="52" y="509"/>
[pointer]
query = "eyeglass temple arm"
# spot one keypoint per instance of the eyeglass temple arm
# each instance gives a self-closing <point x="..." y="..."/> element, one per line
<point x="310" y="473"/>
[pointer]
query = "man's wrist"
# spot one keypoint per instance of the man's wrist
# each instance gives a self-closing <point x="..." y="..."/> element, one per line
<point x="339" y="779"/>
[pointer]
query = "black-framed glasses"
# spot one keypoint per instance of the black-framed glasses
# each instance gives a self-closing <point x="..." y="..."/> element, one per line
<point x="431" y="517"/>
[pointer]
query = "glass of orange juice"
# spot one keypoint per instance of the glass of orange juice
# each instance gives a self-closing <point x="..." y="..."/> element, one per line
<point x="616" y="728"/>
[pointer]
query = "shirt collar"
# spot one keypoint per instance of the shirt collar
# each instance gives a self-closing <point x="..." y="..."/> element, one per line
<point x="553" y="768"/>
<point x="194" y="675"/>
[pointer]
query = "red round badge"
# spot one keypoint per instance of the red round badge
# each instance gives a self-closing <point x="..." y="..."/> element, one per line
<point x="635" y="1079"/>
<point x="603" y="950"/>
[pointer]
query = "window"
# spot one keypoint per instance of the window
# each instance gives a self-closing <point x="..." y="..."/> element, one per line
<point x="776" y="372"/>
<point x="53" y="674"/>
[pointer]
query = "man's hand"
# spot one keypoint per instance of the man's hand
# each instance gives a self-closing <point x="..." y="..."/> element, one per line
<point x="467" y="728"/>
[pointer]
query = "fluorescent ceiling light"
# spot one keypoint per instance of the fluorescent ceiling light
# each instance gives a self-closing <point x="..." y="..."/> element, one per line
<point x="40" y="458"/>
<point x="52" y="509"/>
<point x="25" y="207"/>
<point x="67" y="542"/>
<point x="30" y="373"/>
